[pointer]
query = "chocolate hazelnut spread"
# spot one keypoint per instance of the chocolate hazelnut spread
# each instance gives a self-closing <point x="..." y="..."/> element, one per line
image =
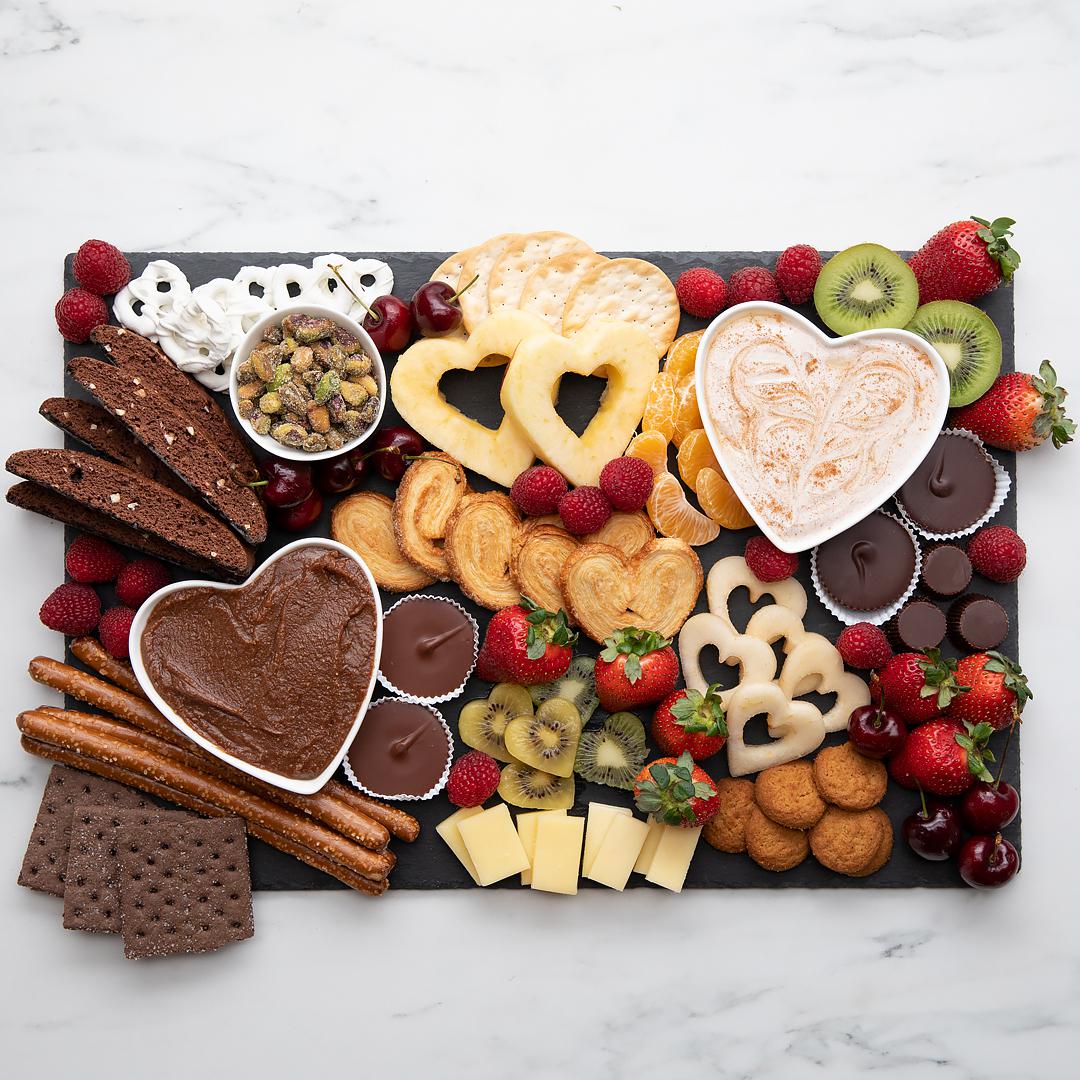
<point x="275" y="671"/>
<point x="400" y="749"/>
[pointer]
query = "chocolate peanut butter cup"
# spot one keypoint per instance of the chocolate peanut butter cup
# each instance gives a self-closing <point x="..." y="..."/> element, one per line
<point x="919" y="625"/>
<point x="946" y="570"/>
<point x="977" y="622"/>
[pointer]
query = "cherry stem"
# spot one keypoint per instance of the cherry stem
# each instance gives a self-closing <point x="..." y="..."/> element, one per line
<point x="454" y="296"/>
<point x="1004" y="755"/>
<point x="922" y="799"/>
<point x="352" y="292"/>
<point x="257" y="483"/>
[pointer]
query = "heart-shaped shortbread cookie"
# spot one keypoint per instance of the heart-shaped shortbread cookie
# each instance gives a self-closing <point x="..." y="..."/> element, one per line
<point x="755" y="659"/>
<point x="796" y="727"/>
<point x="656" y="589"/>
<point x="732" y="573"/>
<point x="620" y="352"/>
<point x="814" y="665"/>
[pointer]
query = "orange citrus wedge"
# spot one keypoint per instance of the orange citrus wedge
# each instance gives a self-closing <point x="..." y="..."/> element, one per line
<point x="682" y="356"/>
<point x="674" y="516"/>
<point x="687" y="415"/>
<point x="696" y="454"/>
<point x="661" y="405"/>
<point x="650" y="446"/>
<point x="719" y="501"/>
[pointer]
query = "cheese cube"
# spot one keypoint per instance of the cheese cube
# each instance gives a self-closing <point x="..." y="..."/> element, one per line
<point x="599" y="821"/>
<point x="619" y="851"/>
<point x="493" y="845"/>
<point x="648" y="849"/>
<point x="526" y="827"/>
<point x="672" y="858"/>
<point x="558" y="854"/>
<point x="450" y="831"/>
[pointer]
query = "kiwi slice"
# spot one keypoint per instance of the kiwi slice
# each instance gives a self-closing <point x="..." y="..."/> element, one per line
<point x="614" y="753"/>
<point x="865" y="287"/>
<point x="482" y="724"/>
<point x="968" y="342"/>
<point x="578" y="686"/>
<point x="547" y="741"/>
<point x="531" y="789"/>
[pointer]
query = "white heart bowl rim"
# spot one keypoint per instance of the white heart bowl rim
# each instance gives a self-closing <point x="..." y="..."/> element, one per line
<point x="826" y="532"/>
<point x="252" y="338"/>
<point x="138" y="628"/>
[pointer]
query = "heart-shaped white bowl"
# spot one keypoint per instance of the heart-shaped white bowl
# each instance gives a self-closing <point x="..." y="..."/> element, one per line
<point x="300" y="786"/>
<point x="859" y="509"/>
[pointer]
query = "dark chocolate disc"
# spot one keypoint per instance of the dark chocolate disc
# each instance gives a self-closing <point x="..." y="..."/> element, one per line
<point x="952" y="488"/>
<point x="429" y="647"/>
<point x="869" y="566"/>
<point x="977" y="622"/>
<point x="946" y="570"/>
<point x="917" y="626"/>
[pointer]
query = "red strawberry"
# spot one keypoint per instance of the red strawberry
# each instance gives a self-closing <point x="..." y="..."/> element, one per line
<point x="92" y="560"/>
<point x="944" y="757"/>
<point x="71" y="609"/>
<point x="999" y="690"/>
<point x="626" y="483"/>
<point x="701" y="292"/>
<point x="636" y="667"/>
<point x="965" y="260"/>
<point x="689" y="722"/>
<point x="584" y="510"/>
<point x="919" y="686"/>
<point x="538" y="490"/>
<point x="752" y="283"/>
<point x="1020" y="411"/>
<point x="864" y="645"/>
<point x="797" y="271"/>
<point x="101" y="268"/>
<point x="77" y="312"/>
<point x="473" y="779"/>
<point x="140" y="579"/>
<point x="676" y="792"/>
<point x="997" y="553"/>
<point x="114" y="629"/>
<point x="525" y="644"/>
<point x="767" y="562"/>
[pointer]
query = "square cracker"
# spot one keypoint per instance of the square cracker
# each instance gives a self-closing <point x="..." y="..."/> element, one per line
<point x="91" y="883"/>
<point x="185" y="886"/>
<point x="45" y="862"/>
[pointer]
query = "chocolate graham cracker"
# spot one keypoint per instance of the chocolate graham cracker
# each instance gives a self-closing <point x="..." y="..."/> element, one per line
<point x="46" y="858"/>
<point x="91" y="883"/>
<point x="185" y="887"/>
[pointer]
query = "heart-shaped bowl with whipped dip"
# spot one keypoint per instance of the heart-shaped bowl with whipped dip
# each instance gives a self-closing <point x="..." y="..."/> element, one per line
<point x="813" y="433"/>
<point x="273" y="676"/>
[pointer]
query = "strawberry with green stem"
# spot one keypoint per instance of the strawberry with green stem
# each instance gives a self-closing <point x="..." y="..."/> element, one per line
<point x="636" y="667"/>
<point x="944" y="757"/>
<point x="525" y="644"/>
<point x="690" y="722"/>
<point x="998" y="691"/>
<point x="965" y="260"/>
<point x="676" y="792"/>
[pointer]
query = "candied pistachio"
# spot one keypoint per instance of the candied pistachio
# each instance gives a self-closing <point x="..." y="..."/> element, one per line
<point x="246" y="409"/>
<point x="318" y="418"/>
<point x="245" y="373"/>
<point x="264" y="358"/>
<point x="334" y="439"/>
<point x="311" y="378"/>
<point x="352" y="424"/>
<point x="288" y="345"/>
<point x="356" y="366"/>
<point x="282" y="374"/>
<point x="249" y="391"/>
<point x="370" y="385"/>
<point x="370" y="411"/>
<point x="327" y="387"/>
<point x="273" y="335"/>
<point x="354" y="393"/>
<point x="302" y="359"/>
<point x="270" y="403"/>
<point x="307" y="328"/>
<point x="296" y="418"/>
<point x="289" y="434"/>
<point x="294" y="397"/>
<point x="336" y="408"/>
<point x="261" y="424"/>
<point x="314" y="443"/>
<point x="346" y="341"/>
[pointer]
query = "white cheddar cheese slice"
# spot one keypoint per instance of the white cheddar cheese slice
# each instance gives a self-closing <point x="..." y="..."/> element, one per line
<point x="526" y="827"/>
<point x="619" y="851"/>
<point x="648" y="849"/>
<point x="599" y="821"/>
<point x="558" y="854"/>
<point x="450" y="831"/>
<point x="672" y="858"/>
<point x="493" y="845"/>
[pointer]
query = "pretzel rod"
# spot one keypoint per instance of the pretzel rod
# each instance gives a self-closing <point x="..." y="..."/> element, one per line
<point x="226" y="796"/>
<point x="142" y="714"/>
<point x="268" y="836"/>
<point x="89" y="650"/>
<point x="327" y="811"/>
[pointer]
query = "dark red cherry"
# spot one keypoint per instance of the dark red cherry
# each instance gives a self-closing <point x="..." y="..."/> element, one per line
<point x="988" y="808"/>
<point x="988" y="862"/>
<point x="287" y="482"/>
<point x="436" y="309"/>
<point x="336" y="476"/>
<point x="876" y="731"/>
<point x="933" y="831"/>
<point x="389" y="449"/>
<point x="389" y="323"/>
<point x="302" y="516"/>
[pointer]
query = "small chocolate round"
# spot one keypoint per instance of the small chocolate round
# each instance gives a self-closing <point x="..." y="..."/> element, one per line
<point x="918" y="625"/>
<point x="869" y="566"/>
<point x="952" y="488"/>
<point x="977" y="622"/>
<point x="400" y="749"/>
<point x="946" y="570"/>
<point x="429" y="647"/>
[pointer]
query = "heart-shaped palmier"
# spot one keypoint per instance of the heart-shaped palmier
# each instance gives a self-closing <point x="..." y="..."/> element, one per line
<point x="656" y="589"/>
<point x="427" y="497"/>
<point x="796" y="728"/>
<point x="478" y="546"/>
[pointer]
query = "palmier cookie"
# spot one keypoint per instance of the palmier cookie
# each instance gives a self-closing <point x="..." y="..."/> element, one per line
<point x="427" y="496"/>
<point x="786" y="793"/>
<point x="364" y="522"/>
<point x="478" y="546"/>
<point x="849" y="841"/>
<point x="772" y="846"/>
<point x="726" y="830"/>
<point x="848" y="779"/>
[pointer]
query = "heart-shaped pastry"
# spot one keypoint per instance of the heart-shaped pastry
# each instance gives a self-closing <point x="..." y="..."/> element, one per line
<point x="478" y="546"/>
<point x="813" y="433"/>
<point x="732" y="573"/>
<point x="620" y="352"/>
<point x="500" y="453"/>
<point x="656" y="589"/>
<point x="427" y="497"/>
<point x="814" y="665"/>
<point x="796" y="727"/>
<point x="754" y="658"/>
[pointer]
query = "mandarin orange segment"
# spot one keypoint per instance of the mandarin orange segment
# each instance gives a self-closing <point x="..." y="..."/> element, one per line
<point x="661" y="405"/>
<point x="719" y="501"/>
<point x="674" y="516"/>
<point x="682" y="356"/>
<point x="687" y="415"/>
<point x="650" y="446"/>
<point x="696" y="454"/>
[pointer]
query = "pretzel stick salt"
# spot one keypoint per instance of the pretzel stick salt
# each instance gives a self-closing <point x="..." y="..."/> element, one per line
<point x="90" y="651"/>
<point x="142" y="714"/>
<point x="276" y="840"/>
<point x="182" y="778"/>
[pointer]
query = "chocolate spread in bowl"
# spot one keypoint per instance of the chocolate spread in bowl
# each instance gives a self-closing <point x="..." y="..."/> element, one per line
<point x="273" y="672"/>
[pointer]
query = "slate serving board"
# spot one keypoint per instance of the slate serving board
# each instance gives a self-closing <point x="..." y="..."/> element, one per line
<point x="428" y="863"/>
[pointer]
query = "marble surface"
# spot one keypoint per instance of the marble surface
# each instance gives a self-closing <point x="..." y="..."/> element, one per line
<point x="299" y="126"/>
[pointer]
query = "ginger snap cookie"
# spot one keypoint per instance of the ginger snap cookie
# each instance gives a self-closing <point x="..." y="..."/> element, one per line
<point x="787" y="794"/>
<point x="772" y="846"/>
<point x="726" y="831"/>
<point x="848" y="779"/>
<point x="849" y="841"/>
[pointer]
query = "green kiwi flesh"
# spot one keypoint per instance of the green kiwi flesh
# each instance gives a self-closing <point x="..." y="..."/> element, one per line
<point x="482" y="724"/>
<point x="968" y="342"/>
<point x="547" y="741"/>
<point x="578" y="686"/>
<point x="529" y="788"/>
<point x="865" y="287"/>
<point x="614" y="753"/>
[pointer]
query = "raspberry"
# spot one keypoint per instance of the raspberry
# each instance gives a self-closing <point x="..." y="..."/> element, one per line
<point x="584" y="510"/>
<point x="767" y="562"/>
<point x="538" y="490"/>
<point x="77" y="312"/>
<point x="626" y="483"/>
<point x="473" y="779"/>
<point x="997" y="553"/>
<point x="864" y="645"/>
<point x="91" y="559"/>
<point x="797" y="271"/>
<point x="71" y="609"/>
<point x="752" y="283"/>
<point x="101" y="268"/>
<point x="140" y="579"/>
<point x="113" y="631"/>
<point x="701" y="292"/>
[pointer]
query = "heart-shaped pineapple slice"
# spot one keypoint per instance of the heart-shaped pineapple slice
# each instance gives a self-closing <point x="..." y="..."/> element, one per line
<point x="796" y="727"/>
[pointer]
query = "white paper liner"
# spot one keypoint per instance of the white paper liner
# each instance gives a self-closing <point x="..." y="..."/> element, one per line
<point x="387" y="684"/>
<point x="850" y="615"/>
<point x="439" y="785"/>
<point x="1002" y="483"/>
